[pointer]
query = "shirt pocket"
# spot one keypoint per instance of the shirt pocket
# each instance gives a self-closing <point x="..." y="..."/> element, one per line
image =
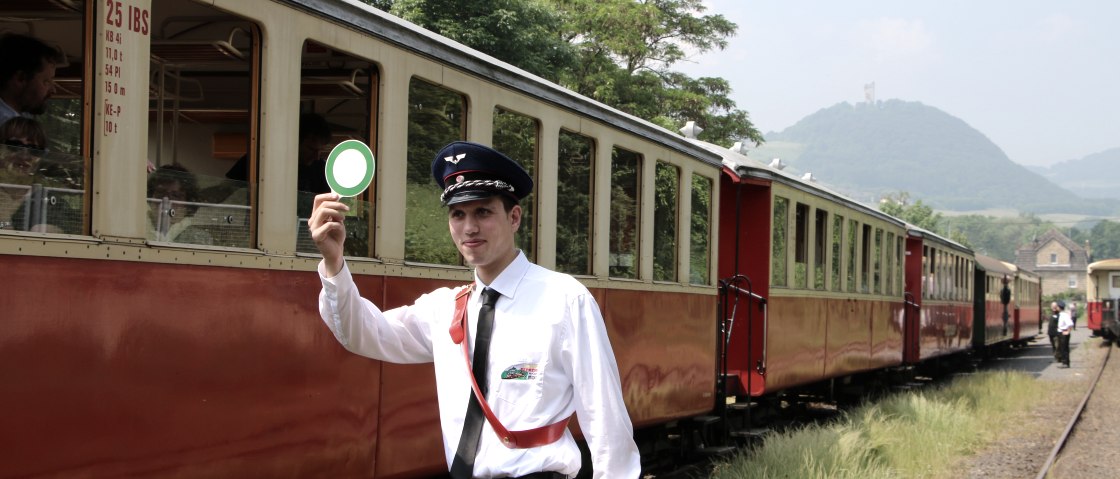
<point x="521" y="381"/>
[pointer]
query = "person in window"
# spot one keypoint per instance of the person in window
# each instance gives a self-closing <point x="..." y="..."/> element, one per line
<point x="314" y="136"/>
<point x="27" y="68"/>
<point x="171" y="189"/>
<point x="24" y="146"/>
<point x="20" y="169"/>
<point x="540" y="345"/>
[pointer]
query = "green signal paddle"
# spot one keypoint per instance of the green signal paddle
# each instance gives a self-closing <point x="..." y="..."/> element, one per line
<point x="350" y="168"/>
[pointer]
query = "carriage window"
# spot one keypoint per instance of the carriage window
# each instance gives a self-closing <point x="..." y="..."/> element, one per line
<point x="626" y="178"/>
<point x="800" y="245"/>
<point x="666" y="183"/>
<point x="701" y="230"/>
<point x="516" y="135"/>
<point x="927" y="276"/>
<point x="573" y="204"/>
<point x="336" y="98"/>
<point x="942" y="275"/>
<point x="960" y="278"/>
<point x="778" y="275"/>
<point x="853" y="228"/>
<point x="203" y="111"/>
<point x="900" y="264"/>
<point x="837" y="247"/>
<point x="436" y="117"/>
<point x="819" y="249"/>
<point x="889" y="269"/>
<point x="865" y="261"/>
<point x="877" y="283"/>
<point x="43" y="180"/>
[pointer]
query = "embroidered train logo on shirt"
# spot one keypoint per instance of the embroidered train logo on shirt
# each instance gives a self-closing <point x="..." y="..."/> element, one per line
<point x="521" y="372"/>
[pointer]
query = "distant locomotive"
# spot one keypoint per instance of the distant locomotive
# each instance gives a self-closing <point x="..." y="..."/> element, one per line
<point x="1103" y="295"/>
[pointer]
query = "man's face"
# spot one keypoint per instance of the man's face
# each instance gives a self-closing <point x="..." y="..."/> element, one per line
<point x="483" y="231"/>
<point x="37" y="89"/>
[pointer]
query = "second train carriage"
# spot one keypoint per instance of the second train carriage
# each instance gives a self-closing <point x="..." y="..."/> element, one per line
<point x="1007" y="304"/>
<point x="939" y="282"/>
<point x="819" y="281"/>
<point x="130" y="350"/>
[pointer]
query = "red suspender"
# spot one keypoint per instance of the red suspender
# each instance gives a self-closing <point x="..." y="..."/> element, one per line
<point x="512" y="439"/>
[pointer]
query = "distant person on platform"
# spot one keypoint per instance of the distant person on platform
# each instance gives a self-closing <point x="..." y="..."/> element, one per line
<point x="314" y="135"/>
<point x="27" y="67"/>
<point x="1052" y="329"/>
<point x="1065" y="326"/>
<point x="1073" y="314"/>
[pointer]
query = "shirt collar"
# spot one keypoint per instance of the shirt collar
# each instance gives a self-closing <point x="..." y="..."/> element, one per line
<point x="507" y="281"/>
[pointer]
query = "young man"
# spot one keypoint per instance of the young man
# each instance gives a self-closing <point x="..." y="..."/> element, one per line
<point x="540" y="352"/>
<point x="1052" y="329"/>
<point x="26" y="75"/>
<point x="1065" y="325"/>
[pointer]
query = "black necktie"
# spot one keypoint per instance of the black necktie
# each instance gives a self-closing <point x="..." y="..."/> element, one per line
<point x="463" y="465"/>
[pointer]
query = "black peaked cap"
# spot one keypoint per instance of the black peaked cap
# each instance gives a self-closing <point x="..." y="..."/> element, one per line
<point x="467" y="171"/>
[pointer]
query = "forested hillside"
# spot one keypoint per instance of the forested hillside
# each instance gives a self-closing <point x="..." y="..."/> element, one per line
<point x="871" y="150"/>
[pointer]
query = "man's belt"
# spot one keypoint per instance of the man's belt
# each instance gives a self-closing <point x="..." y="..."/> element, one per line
<point x="512" y="439"/>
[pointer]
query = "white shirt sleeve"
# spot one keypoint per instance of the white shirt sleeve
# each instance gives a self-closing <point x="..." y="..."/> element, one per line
<point x="399" y="335"/>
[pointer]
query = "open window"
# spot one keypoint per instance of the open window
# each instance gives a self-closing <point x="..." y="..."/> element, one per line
<point x="44" y="161"/>
<point x="203" y="103"/>
<point x="337" y="98"/>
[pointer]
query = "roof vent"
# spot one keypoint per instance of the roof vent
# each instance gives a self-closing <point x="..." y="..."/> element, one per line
<point x="777" y="164"/>
<point x="690" y="130"/>
<point x="808" y="177"/>
<point x="739" y="148"/>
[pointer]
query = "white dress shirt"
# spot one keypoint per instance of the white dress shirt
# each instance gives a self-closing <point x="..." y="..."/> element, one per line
<point x="1065" y="321"/>
<point x="549" y="357"/>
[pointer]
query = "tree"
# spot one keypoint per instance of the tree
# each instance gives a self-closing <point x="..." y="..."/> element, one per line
<point x="618" y="52"/>
<point x="918" y="214"/>
<point x="1104" y="239"/>
<point x="626" y="49"/>
<point x="520" y="32"/>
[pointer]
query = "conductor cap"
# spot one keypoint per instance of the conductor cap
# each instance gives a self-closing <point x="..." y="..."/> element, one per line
<point x="467" y="171"/>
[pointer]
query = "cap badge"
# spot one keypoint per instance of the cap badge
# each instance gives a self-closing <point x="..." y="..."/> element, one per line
<point x="454" y="160"/>
<point x="459" y="179"/>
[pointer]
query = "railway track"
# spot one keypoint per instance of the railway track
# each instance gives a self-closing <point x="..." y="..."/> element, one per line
<point x="1075" y="418"/>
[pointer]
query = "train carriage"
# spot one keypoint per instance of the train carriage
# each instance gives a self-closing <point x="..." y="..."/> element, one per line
<point x="1028" y="305"/>
<point x="1103" y="297"/>
<point x="995" y="311"/>
<point x="158" y="333"/>
<point x="824" y="274"/>
<point x="939" y="285"/>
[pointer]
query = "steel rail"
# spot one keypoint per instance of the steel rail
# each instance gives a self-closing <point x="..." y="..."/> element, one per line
<point x="1073" y="421"/>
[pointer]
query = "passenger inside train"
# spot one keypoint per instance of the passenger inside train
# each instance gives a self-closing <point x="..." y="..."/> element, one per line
<point x="173" y="197"/>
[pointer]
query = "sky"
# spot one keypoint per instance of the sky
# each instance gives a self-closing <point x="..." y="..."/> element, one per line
<point x="1041" y="79"/>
